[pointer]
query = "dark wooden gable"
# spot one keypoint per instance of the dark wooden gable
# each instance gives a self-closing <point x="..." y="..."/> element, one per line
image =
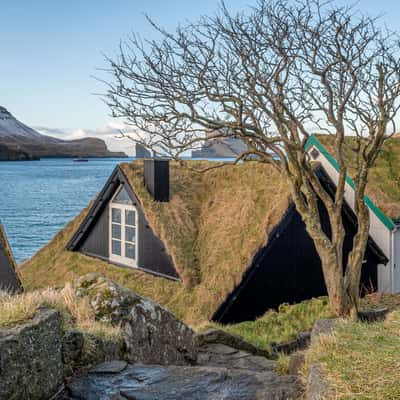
<point x="9" y="280"/>
<point x="92" y="237"/>
<point x="288" y="268"/>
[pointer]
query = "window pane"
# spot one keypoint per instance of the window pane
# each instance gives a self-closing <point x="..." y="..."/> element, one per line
<point x="130" y="234"/>
<point x="130" y="250"/>
<point x="130" y="217"/>
<point x="116" y="215"/>
<point x="122" y="197"/>
<point x="116" y="247"/>
<point x="116" y="231"/>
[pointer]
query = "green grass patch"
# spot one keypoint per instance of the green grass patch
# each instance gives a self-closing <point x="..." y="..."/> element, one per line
<point x="361" y="361"/>
<point x="279" y="326"/>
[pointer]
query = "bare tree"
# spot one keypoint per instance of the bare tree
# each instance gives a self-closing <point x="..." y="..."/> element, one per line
<point x="272" y="77"/>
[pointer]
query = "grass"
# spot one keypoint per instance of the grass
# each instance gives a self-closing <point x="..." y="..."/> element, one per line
<point x="76" y="313"/>
<point x="384" y="178"/>
<point x="208" y="216"/>
<point x="361" y="361"/>
<point x="286" y="324"/>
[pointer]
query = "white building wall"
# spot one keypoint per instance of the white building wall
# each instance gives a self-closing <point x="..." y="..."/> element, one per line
<point x="378" y="231"/>
<point x="396" y="263"/>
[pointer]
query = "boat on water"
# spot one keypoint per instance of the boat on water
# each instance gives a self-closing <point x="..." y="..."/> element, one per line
<point x="81" y="160"/>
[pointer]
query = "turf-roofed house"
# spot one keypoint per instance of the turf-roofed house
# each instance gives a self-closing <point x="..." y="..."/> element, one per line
<point x="224" y="245"/>
<point x="383" y="198"/>
<point x="9" y="279"/>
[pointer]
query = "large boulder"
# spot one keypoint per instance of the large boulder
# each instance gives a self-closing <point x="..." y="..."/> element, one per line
<point x="30" y="358"/>
<point x="152" y="335"/>
<point x="154" y="382"/>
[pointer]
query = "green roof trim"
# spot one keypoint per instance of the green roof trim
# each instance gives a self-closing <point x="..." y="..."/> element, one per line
<point x="313" y="141"/>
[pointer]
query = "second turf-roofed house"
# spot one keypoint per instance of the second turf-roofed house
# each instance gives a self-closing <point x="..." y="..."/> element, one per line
<point x="9" y="279"/>
<point x="226" y="245"/>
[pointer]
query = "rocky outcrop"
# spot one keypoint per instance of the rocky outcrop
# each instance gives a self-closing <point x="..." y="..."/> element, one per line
<point x="373" y="315"/>
<point x="157" y="357"/>
<point x="218" y="336"/>
<point x="301" y="342"/>
<point x="317" y="387"/>
<point x="151" y="334"/>
<point x="220" y="355"/>
<point x="8" y="153"/>
<point x="150" y="382"/>
<point x="30" y="358"/>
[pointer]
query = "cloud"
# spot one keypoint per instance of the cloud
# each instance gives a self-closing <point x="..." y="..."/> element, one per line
<point x="108" y="133"/>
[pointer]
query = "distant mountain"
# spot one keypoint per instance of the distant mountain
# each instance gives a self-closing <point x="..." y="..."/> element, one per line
<point x="141" y="151"/>
<point x="20" y="142"/>
<point x="221" y="147"/>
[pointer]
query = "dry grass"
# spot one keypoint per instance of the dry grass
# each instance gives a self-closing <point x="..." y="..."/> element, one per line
<point x="384" y="179"/>
<point x="361" y="361"/>
<point x="213" y="225"/>
<point x="75" y="312"/>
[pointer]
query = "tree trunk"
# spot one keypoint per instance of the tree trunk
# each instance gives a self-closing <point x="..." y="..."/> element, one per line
<point x="332" y="267"/>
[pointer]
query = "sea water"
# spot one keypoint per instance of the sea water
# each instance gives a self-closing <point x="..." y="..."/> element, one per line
<point x="37" y="198"/>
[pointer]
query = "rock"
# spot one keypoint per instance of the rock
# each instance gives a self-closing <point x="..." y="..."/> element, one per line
<point x="139" y="382"/>
<point x="220" y="355"/>
<point x="301" y="342"/>
<point x="31" y="358"/>
<point x="72" y="346"/>
<point x="317" y="386"/>
<point x="110" y="302"/>
<point x="98" y="350"/>
<point x="322" y="327"/>
<point x="151" y="334"/>
<point x="296" y="362"/>
<point x="212" y="336"/>
<point x="110" y="367"/>
<point x="373" y="315"/>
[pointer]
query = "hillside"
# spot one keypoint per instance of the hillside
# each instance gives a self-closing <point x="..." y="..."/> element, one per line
<point x="20" y="142"/>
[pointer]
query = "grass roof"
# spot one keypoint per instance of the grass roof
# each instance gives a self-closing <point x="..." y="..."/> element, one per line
<point x="212" y="227"/>
<point x="384" y="179"/>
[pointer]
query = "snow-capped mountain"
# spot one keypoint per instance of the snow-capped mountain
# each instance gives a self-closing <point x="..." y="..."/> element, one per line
<point x="20" y="142"/>
<point x="10" y="127"/>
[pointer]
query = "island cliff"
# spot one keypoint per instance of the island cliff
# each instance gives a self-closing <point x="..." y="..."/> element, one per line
<point x="19" y="142"/>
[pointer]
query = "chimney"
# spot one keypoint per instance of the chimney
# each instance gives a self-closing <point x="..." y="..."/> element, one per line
<point x="156" y="178"/>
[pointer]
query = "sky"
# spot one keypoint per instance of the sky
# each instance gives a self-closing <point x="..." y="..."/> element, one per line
<point x="51" y="50"/>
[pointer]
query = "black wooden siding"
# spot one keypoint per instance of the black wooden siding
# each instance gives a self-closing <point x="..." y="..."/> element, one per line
<point x="8" y="278"/>
<point x="288" y="269"/>
<point x="97" y="242"/>
<point x="94" y="241"/>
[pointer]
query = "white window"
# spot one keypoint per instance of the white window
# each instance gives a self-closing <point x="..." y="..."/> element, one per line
<point x="123" y="229"/>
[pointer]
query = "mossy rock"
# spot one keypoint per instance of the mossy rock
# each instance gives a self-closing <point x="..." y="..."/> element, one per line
<point x="109" y="301"/>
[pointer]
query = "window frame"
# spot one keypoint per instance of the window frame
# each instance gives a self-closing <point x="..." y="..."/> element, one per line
<point x="122" y="259"/>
